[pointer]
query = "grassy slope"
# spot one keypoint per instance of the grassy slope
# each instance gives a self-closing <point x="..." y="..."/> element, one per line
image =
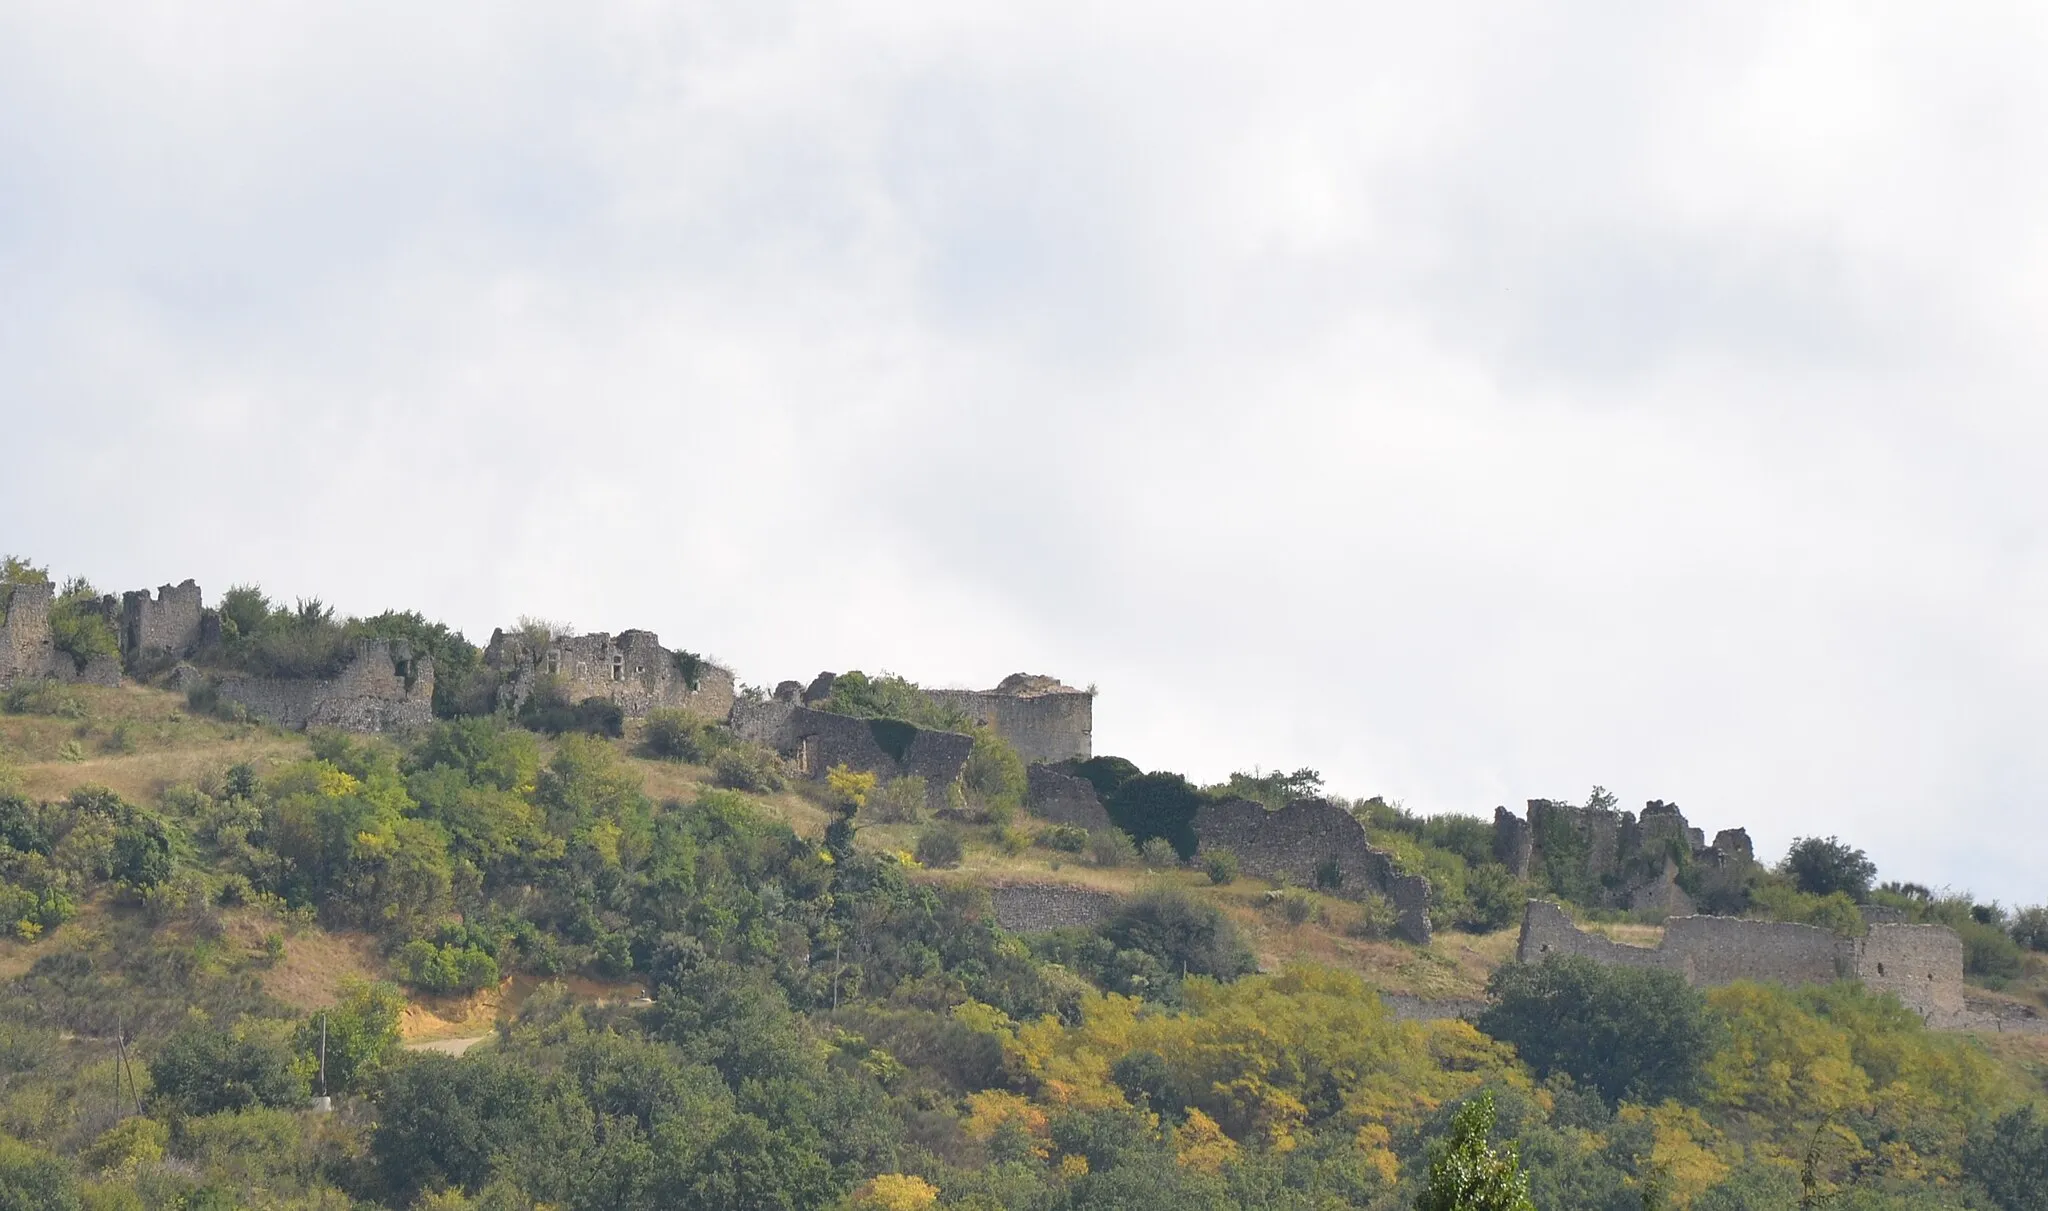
<point x="142" y="741"/>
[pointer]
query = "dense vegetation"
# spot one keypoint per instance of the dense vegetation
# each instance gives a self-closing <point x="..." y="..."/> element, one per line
<point x="828" y="1022"/>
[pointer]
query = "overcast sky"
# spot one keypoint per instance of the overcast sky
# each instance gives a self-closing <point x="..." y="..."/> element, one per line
<point x="1473" y="403"/>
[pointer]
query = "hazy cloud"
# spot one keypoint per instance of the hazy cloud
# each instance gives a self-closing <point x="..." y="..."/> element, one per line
<point x="1473" y="407"/>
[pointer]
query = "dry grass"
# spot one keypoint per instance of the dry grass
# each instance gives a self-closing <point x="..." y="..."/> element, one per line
<point x="136" y="740"/>
<point x="1649" y="937"/>
<point x="315" y="962"/>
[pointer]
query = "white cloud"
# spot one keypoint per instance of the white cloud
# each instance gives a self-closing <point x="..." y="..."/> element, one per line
<point x="1471" y="408"/>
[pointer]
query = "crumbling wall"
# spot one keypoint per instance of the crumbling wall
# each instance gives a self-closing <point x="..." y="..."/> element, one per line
<point x="1062" y="798"/>
<point x="382" y="689"/>
<point x="631" y="669"/>
<point x="1513" y="845"/>
<point x="1306" y="842"/>
<point x="1035" y="907"/>
<point x="816" y="741"/>
<point x="1710" y="951"/>
<point x="26" y="647"/>
<point x="29" y="649"/>
<point x="167" y="623"/>
<point x="1546" y="931"/>
<point x="1042" y="719"/>
<point x="1629" y="861"/>
<point x="1920" y="964"/>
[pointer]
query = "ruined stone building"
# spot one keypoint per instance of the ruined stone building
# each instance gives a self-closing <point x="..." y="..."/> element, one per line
<point x="1921" y="964"/>
<point x="166" y="626"/>
<point x="815" y="741"/>
<point x="631" y="669"/>
<point x="1314" y="843"/>
<point x="1042" y="719"/>
<point x="1630" y="861"/>
<point x="384" y="687"/>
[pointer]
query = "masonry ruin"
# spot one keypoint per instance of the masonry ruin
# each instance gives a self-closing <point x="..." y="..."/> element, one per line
<point x="1044" y="720"/>
<point x="1037" y="907"/>
<point x="815" y="741"/>
<point x="1314" y="843"/>
<point x="1630" y="861"/>
<point x="1921" y="964"/>
<point x="384" y="687"/>
<point x="631" y="669"/>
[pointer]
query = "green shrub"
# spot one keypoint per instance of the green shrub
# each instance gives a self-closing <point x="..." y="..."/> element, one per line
<point x="1493" y="899"/>
<point x="547" y="709"/>
<point x="1377" y="918"/>
<point x="1780" y="901"/>
<point x="43" y="696"/>
<point x="1989" y="953"/>
<point x="1183" y="933"/>
<point x="940" y="849"/>
<point x="445" y="970"/>
<point x="994" y="776"/>
<point x="1220" y="865"/>
<point x="204" y="1070"/>
<point x="1066" y="838"/>
<point x="79" y="627"/>
<point x="1628" y="1032"/>
<point x="678" y="735"/>
<point x="1111" y="847"/>
<point x="1296" y="904"/>
<point x="1824" y="866"/>
<point x="1158" y="853"/>
<point x="2030" y="928"/>
<point x="748" y="768"/>
<point x="898" y="801"/>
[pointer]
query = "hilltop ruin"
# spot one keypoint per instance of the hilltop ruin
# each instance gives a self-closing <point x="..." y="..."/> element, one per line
<point x="1921" y="964"/>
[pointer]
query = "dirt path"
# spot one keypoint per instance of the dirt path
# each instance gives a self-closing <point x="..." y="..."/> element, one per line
<point x="448" y="1046"/>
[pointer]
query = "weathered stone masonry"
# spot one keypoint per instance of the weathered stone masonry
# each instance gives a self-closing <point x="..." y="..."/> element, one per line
<point x="28" y="649"/>
<point x="1035" y="907"/>
<point x="631" y="669"/>
<point x="1042" y="719"/>
<point x="382" y="689"/>
<point x="1307" y="840"/>
<point x="1921" y="964"/>
<point x="168" y="624"/>
<point x="816" y="741"/>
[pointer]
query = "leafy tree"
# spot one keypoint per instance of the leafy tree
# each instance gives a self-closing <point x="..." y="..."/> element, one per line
<point x="202" y="1069"/>
<point x="2029" y="928"/>
<point x="1183" y="933"/>
<point x="1466" y="1173"/>
<point x="1493" y="899"/>
<point x="939" y="848"/>
<point x="441" y="1119"/>
<point x="33" y="1180"/>
<point x="1824" y="866"/>
<point x="1105" y="774"/>
<point x="1158" y="805"/>
<point x="1627" y="1032"/>
<point x="361" y="1030"/>
<point x="2009" y="1158"/>
<point x="78" y="626"/>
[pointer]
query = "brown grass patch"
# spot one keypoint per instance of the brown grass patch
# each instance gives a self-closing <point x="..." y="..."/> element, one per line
<point x="315" y="961"/>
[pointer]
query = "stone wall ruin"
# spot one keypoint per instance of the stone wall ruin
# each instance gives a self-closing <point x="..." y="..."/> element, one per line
<point x="815" y="741"/>
<point x="1036" y="907"/>
<point x="1314" y="843"/>
<point x="631" y="669"/>
<point x="1629" y="861"/>
<point x="1921" y="964"/>
<point x="383" y="688"/>
<point x="1042" y="719"/>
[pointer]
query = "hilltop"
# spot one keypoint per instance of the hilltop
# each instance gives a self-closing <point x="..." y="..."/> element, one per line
<point x="846" y="940"/>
